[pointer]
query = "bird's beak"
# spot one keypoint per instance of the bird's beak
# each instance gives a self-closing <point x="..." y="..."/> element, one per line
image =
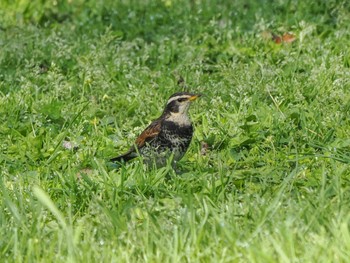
<point x="194" y="97"/>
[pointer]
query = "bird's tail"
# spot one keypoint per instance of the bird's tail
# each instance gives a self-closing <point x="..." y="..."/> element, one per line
<point x="124" y="157"/>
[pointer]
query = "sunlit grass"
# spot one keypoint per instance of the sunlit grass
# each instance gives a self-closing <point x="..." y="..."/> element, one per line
<point x="79" y="81"/>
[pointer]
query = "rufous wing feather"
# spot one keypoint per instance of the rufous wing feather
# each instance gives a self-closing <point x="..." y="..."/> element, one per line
<point x="146" y="136"/>
<point x="149" y="133"/>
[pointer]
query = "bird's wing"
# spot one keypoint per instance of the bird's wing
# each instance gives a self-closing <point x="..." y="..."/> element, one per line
<point x="149" y="133"/>
<point x="146" y="136"/>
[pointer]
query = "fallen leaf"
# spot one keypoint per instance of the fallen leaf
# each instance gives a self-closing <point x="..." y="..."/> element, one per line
<point x="276" y="38"/>
<point x="288" y="38"/>
<point x="285" y="38"/>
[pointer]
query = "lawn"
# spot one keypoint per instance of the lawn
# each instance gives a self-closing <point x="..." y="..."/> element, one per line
<point x="267" y="175"/>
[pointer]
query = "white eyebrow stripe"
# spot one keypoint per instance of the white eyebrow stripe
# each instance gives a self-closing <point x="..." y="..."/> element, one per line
<point x="178" y="97"/>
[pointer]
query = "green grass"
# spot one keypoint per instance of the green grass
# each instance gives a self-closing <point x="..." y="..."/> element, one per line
<point x="274" y="185"/>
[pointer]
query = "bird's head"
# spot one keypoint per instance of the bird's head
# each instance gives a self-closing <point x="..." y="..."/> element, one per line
<point x="180" y="102"/>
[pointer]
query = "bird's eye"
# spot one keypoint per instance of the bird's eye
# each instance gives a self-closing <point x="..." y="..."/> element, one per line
<point x="181" y="99"/>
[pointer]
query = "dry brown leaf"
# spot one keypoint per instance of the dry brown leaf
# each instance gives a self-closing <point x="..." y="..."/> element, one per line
<point x="285" y="38"/>
<point x="276" y="38"/>
<point x="288" y="38"/>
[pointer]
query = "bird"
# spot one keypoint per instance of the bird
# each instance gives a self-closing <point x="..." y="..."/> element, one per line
<point x="169" y="135"/>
